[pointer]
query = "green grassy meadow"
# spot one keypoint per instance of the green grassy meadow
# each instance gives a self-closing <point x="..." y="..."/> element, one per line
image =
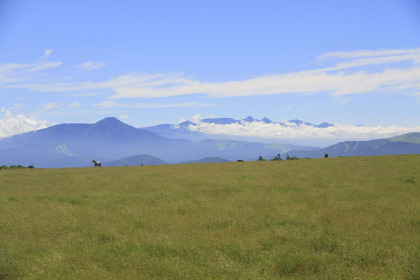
<point x="336" y="218"/>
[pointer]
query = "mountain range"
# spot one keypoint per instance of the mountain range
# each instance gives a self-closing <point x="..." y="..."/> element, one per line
<point x="74" y="145"/>
<point x="115" y="143"/>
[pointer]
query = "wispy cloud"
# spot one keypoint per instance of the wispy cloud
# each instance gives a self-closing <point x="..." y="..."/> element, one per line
<point x="74" y="105"/>
<point x="50" y="106"/>
<point x="19" y="74"/>
<point x="42" y="63"/>
<point x="339" y="78"/>
<point x="47" y="53"/>
<point x="370" y="53"/>
<point x="11" y="124"/>
<point x="44" y="66"/>
<point x="90" y="66"/>
<point x="123" y="117"/>
<point x="346" y="73"/>
<point x="115" y="104"/>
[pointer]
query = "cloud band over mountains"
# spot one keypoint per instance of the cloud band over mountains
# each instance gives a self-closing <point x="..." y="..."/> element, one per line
<point x="290" y="131"/>
<point x="283" y="131"/>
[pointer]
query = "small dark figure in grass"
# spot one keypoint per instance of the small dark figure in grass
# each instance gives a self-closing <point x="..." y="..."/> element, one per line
<point x="96" y="163"/>
<point x="326" y="156"/>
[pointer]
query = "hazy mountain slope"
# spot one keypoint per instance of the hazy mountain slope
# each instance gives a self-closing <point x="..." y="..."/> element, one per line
<point x="234" y="150"/>
<point x="136" y="161"/>
<point x="409" y="138"/>
<point x="404" y="144"/>
<point x="77" y="144"/>
<point x="206" y="160"/>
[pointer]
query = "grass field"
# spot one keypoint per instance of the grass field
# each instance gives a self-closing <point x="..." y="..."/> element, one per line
<point x="336" y="218"/>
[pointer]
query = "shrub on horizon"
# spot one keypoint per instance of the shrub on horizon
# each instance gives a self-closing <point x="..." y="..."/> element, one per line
<point x="261" y="159"/>
<point x="278" y="157"/>
<point x="291" y="157"/>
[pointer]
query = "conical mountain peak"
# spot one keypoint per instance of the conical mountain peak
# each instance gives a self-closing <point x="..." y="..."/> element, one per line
<point x="110" y="121"/>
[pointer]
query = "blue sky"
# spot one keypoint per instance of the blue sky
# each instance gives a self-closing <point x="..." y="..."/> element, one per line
<point x="149" y="62"/>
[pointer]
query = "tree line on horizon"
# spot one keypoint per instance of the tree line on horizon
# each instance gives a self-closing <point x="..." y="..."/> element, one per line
<point x="278" y="157"/>
<point x="15" y="166"/>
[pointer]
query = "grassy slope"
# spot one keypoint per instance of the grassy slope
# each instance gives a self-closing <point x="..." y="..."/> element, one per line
<point x="341" y="218"/>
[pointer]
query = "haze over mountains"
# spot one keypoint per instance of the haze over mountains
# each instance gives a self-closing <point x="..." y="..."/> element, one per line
<point x="116" y="143"/>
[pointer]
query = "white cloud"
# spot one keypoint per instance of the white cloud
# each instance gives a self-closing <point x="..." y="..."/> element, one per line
<point x="181" y="120"/>
<point x="144" y="86"/>
<point x="291" y="131"/>
<point x="123" y="117"/>
<point x="50" y="106"/>
<point x="14" y="124"/>
<point x="369" y="53"/>
<point x="337" y="79"/>
<point x="44" y="66"/>
<point x="90" y="66"/>
<point x="18" y="74"/>
<point x="197" y="118"/>
<point x="347" y="73"/>
<point x="115" y="104"/>
<point x="74" y="105"/>
<point x="47" y="52"/>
